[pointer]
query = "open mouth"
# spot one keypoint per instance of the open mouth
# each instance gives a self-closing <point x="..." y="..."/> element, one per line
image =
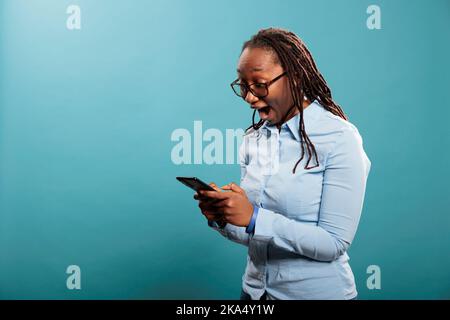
<point x="265" y="109"/>
<point x="264" y="112"/>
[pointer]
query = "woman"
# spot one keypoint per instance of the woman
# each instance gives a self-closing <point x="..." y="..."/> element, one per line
<point x="303" y="177"/>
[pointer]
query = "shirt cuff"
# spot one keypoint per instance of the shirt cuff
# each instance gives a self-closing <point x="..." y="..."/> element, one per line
<point x="214" y="224"/>
<point x="251" y="226"/>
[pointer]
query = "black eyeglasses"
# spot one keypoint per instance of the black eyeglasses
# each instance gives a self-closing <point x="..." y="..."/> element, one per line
<point x="259" y="90"/>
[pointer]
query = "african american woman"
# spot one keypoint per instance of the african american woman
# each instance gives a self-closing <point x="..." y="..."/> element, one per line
<point x="303" y="177"/>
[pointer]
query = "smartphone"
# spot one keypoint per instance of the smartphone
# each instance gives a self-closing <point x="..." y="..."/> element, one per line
<point x="195" y="183"/>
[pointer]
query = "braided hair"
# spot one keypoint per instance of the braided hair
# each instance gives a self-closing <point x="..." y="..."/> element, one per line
<point x="306" y="81"/>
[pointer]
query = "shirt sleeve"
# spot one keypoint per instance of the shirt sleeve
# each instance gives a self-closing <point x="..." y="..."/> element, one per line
<point x="230" y="231"/>
<point x="344" y="183"/>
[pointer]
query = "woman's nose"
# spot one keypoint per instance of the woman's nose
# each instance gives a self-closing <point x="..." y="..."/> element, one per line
<point x="250" y="98"/>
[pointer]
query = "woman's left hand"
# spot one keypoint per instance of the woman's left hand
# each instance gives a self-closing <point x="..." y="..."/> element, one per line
<point x="234" y="205"/>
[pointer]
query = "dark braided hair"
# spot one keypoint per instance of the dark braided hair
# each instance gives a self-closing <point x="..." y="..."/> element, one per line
<point x="305" y="79"/>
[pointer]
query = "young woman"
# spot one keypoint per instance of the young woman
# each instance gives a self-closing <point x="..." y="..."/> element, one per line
<point x="303" y="177"/>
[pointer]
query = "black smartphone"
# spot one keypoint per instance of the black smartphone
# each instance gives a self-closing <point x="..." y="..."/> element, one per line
<point x="195" y="183"/>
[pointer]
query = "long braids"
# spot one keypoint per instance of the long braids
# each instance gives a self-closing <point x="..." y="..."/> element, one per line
<point x="305" y="79"/>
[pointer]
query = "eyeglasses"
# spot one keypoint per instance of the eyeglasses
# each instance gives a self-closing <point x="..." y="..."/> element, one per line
<point x="259" y="90"/>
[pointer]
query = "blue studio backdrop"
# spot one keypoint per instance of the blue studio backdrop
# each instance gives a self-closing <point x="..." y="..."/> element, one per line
<point x="103" y="103"/>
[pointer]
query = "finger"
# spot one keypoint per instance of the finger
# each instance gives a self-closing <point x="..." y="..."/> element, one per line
<point x="212" y="215"/>
<point x="208" y="206"/>
<point x="205" y="206"/>
<point x="233" y="187"/>
<point x="211" y="208"/>
<point x="202" y="198"/>
<point x="198" y="195"/>
<point x="214" y="194"/>
<point x="207" y="200"/>
<point x="219" y="203"/>
<point x="215" y="187"/>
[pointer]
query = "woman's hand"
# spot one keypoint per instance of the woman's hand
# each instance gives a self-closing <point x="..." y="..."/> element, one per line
<point x="205" y="204"/>
<point x="233" y="206"/>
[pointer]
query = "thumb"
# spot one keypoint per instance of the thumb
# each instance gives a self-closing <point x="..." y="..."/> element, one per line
<point x="233" y="187"/>
<point x="212" y="184"/>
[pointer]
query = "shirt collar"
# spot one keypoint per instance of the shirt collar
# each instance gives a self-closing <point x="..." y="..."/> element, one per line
<point x="310" y="115"/>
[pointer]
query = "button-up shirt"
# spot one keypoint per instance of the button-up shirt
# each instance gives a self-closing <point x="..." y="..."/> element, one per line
<point x="307" y="220"/>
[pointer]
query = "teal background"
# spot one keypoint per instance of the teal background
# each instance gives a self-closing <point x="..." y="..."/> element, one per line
<point x="86" y="118"/>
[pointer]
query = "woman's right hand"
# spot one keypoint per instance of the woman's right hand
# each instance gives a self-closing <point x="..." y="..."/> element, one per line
<point x="206" y="205"/>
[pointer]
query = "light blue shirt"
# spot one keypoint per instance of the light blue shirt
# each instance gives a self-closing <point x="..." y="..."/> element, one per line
<point x="307" y="220"/>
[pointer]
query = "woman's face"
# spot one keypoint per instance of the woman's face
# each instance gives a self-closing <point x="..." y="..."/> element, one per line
<point x="257" y="65"/>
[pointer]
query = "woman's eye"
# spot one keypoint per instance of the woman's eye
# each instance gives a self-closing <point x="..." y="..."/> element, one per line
<point x="259" y="85"/>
